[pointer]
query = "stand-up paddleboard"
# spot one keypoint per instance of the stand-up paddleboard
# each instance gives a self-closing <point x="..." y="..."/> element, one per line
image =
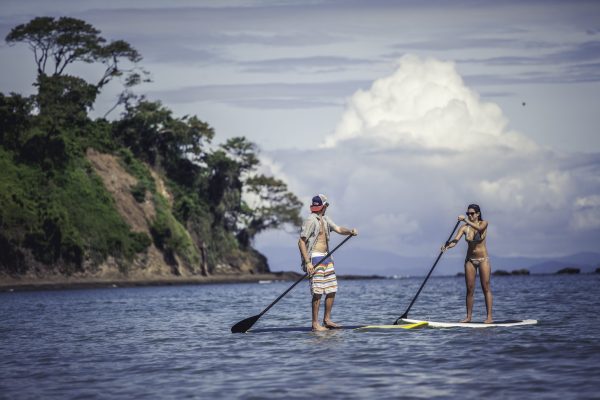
<point x="420" y="324"/>
<point x="506" y="323"/>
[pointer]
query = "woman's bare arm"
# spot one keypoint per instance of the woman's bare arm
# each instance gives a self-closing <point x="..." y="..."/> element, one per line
<point x="452" y="243"/>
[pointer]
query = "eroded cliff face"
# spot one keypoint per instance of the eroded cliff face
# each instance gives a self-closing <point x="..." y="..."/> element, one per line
<point x="137" y="215"/>
<point x="154" y="263"/>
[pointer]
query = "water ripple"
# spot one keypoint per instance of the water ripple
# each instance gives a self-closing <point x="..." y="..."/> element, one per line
<point x="174" y="342"/>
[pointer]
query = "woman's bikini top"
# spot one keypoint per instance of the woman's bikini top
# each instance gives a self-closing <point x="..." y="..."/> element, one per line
<point x="476" y="239"/>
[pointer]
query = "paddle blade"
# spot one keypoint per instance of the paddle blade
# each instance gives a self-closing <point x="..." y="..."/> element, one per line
<point x="245" y="324"/>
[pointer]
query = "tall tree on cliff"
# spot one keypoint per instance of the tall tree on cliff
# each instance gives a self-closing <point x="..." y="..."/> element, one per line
<point x="58" y="43"/>
<point x="246" y="202"/>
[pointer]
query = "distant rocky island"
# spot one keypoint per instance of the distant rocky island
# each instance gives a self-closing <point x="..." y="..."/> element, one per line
<point x="522" y="271"/>
<point x="569" y="270"/>
<point x="525" y="271"/>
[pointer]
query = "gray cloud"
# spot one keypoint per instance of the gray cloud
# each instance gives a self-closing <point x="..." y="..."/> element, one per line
<point x="469" y="43"/>
<point x="260" y="25"/>
<point x="276" y="95"/>
<point x="571" y="74"/>
<point x="318" y="63"/>
<point x="571" y="54"/>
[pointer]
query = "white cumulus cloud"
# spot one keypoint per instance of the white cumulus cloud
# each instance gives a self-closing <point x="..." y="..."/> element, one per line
<point x="410" y="154"/>
<point x="425" y="103"/>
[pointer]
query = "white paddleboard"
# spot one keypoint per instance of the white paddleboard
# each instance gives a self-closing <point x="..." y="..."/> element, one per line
<point x="434" y="324"/>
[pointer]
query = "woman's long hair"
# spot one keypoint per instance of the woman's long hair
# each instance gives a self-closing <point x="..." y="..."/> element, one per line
<point x="477" y="210"/>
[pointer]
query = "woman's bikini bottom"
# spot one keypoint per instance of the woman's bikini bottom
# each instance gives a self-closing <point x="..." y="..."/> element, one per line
<point x="477" y="261"/>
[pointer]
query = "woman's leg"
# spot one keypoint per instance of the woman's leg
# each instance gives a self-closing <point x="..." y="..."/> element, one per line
<point x="470" y="273"/>
<point x="484" y="277"/>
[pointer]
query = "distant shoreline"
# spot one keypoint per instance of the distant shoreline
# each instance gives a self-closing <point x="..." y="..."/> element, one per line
<point x="64" y="283"/>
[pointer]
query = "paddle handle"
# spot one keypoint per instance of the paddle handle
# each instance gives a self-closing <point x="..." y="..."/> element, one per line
<point x="405" y="315"/>
<point x="304" y="276"/>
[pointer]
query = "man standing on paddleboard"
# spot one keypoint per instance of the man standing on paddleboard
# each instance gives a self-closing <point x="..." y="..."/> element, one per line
<point x="314" y="245"/>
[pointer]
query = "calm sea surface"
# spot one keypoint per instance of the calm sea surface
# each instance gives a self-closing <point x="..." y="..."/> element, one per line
<point x="174" y="342"/>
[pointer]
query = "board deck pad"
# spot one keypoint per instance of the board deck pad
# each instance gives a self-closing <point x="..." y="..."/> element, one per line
<point x="420" y="324"/>
<point x="504" y="323"/>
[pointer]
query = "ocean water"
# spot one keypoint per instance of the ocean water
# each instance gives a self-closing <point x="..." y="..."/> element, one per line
<point x="174" y="342"/>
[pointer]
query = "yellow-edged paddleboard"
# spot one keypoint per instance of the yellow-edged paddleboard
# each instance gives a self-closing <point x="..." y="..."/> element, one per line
<point x="421" y="324"/>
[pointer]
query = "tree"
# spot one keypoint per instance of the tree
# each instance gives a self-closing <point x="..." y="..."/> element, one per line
<point x="63" y="41"/>
<point x="64" y="100"/>
<point x="58" y="43"/>
<point x="243" y="152"/>
<point x="15" y="119"/>
<point x="273" y="206"/>
<point x="244" y="202"/>
<point x="223" y="189"/>
<point x="151" y="132"/>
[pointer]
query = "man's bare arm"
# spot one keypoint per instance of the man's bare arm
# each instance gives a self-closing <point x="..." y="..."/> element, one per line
<point x="345" y="231"/>
<point x="305" y="257"/>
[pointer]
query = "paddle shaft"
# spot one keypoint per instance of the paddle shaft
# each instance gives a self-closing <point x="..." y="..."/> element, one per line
<point x="252" y="320"/>
<point x="405" y="315"/>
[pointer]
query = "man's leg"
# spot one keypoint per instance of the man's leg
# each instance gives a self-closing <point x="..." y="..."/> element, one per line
<point x="329" y="298"/>
<point x="316" y="302"/>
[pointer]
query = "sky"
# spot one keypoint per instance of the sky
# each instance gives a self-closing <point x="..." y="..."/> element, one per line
<point x="401" y="112"/>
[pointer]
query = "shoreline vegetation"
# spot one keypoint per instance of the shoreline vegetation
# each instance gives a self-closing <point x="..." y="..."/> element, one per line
<point x="142" y="196"/>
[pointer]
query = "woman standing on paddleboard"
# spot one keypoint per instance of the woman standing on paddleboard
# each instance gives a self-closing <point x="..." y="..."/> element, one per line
<point x="475" y="232"/>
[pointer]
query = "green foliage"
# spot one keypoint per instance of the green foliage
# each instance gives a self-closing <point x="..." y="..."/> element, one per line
<point x="170" y="236"/>
<point x="97" y="135"/>
<point x="57" y="209"/>
<point x="61" y="219"/>
<point x="18" y="196"/>
<point x="151" y="132"/>
<point x="138" y="191"/>
<point x="242" y="152"/>
<point x="61" y="41"/>
<point x="139" y="242"/>
<point x="232" y="178"/>
<point x="15" y="119"/>
<point x="67" y="40"/>
<point x="64" y="100"/>
<point x="136" y="168"/>
<point x="273" y="207"/>
<point x="224" y="188"/>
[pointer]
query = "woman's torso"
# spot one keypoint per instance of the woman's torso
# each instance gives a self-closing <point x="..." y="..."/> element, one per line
<point x="476" y="242"/>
